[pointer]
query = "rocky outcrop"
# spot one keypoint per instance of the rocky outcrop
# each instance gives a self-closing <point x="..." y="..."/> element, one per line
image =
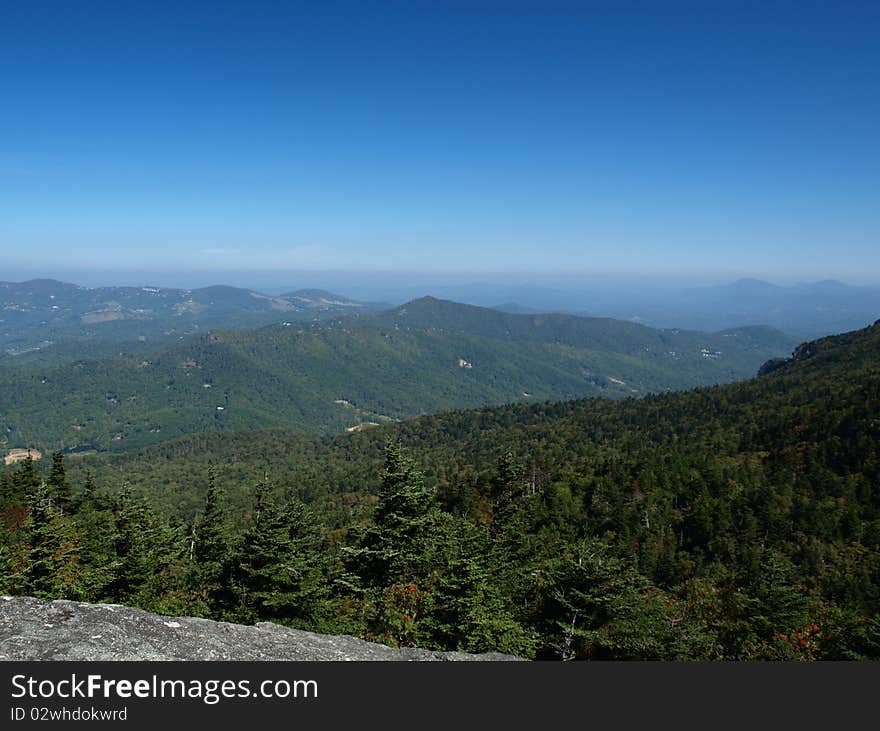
<point x="802" y="352"/>
<point x="773" y="365"/>
<point x="31" y="629"/>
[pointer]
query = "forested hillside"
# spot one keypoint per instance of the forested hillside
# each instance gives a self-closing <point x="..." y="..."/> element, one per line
<point x="349" y="373"/>
<point x="733" y="522"/>
<point x="601" y="333"/>
<point x="44" y="322"/>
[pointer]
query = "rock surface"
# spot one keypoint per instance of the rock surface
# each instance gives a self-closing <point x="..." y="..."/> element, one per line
<point x="31" y="629"/>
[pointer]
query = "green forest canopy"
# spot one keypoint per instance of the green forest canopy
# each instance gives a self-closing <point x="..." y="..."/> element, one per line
<point x="429" y="356"/>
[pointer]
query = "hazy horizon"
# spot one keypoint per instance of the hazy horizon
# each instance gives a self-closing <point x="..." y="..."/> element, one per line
<point x="274" y="282"/>
<point x="678" y="141"/>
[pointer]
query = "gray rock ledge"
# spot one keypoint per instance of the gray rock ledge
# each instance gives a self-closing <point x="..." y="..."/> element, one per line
<point x="31" y="629"/>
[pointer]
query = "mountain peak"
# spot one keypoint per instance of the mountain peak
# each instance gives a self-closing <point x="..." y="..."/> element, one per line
<point x="41" y="285"/>
<point x="428" y="303"/>
<point x="754" y="285"/>
<point x="829" y="284"/>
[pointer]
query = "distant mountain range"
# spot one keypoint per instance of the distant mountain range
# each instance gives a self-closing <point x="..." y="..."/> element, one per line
<point x="71" y="321"/>
<point x="349" y="372"/>
<point x="805" y="310"/>
<point x="808" y="310"/>
<point x="45" y="321"/>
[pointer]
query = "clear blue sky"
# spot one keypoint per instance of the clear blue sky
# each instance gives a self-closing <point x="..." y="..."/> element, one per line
<point x="708" y="137"/>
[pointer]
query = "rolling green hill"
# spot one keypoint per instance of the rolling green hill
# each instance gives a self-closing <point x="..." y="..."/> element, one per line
<point x="596" y="333"/>
<point x="347" y="373"/>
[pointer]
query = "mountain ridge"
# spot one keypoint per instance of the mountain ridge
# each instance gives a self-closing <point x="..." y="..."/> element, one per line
<point x="39" y="315"/>
<point x="341" y="372"/>
<point x="482" y="432"/>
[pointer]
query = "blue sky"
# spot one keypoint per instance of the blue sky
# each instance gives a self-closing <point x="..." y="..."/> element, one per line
<point x="700" y="139"/>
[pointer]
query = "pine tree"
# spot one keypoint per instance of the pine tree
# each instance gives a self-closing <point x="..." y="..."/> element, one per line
<point x="130" y="569"/>
<point x="466" y="609"/>
<point x="210" y="550"/>
<point x="52" y="569"/>
<point x="24" y="479"/>
<point x="400" y="544"/>
<point x="88" y="496"/>
<point x="399" y="550"/>
<point x="15" y="495"/>
<point x="603" y="609"/>
<point x="7" y="562"/>
<point x="147" y="550"/>
<point x="514" y="546"/>
<point x="507" y="491"/>
<point x="58" y="485"/>
<point x="277" y="568"/>
<point x="96" y="525"/>
<point x="7" y="492"/>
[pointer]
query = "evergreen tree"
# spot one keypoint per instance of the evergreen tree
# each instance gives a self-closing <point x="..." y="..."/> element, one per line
<point x="467" y="610"/>
<point x="147" y="550"/>
<point x="277" y="568"/>
<point x="7" y="492"/>
<point x="24" y="479"/>
<point x="16" y="491"/>
<point x="7" y="563"/>
<point x="398" y="550"/>
<point x="96" y="525"/>
<point x="603" y="609"/>
<point x="210" y="550"/>
<point x="88" y="496"/>
<point x="130" y="567"/>
<point x="52" y="566"/>
<point x="507" y="493"/>
<point x="399" y="547"/>
<point x="516" y="548"/>
<point x="58" y="485"/>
